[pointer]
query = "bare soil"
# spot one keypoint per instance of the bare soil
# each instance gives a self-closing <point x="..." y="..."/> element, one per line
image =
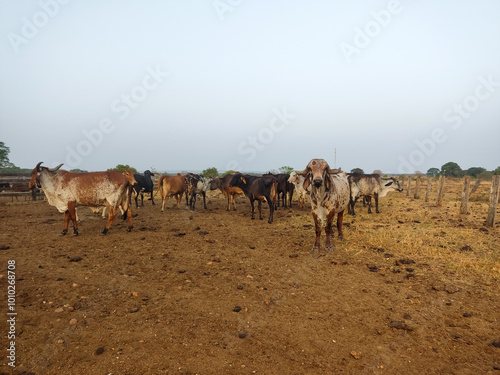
<point x="214" y="292"/>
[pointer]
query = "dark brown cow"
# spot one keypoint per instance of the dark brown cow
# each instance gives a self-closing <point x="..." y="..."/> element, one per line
<point x="258" y="189"/>
<point x="329" y="196"/>
<point x="285" y="189"/>
<point x="66" y="190"/>
<point x="231" y="192"/>
<point x="169" y="186"/>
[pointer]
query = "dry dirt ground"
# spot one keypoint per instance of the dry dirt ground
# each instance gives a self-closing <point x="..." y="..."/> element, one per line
<point x="412" y="290"/>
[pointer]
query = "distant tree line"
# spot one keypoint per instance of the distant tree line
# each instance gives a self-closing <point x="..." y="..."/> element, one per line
<point x="452" y="169"/>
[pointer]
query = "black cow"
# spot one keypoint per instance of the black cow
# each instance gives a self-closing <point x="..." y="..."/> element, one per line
<point x="257" y="188"/>
<point x="144" y="185"/>
<point x="285" y="189"/>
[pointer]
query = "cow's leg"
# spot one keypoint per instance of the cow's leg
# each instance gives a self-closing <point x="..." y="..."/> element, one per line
<point x="233" y="196"/>
<point x="66" y="223"/>
<point x="152" y="201"/>
<point x="369" y="201"/>
<point x="142" y="199"/>
<point x="352" y="204"/>
<point x="253" y="209"/>
<point x="260" y="209"/>
<point x="187" y="204"/>
<point x="162" y="203"/>
<point x="111" y="216"/>
<point x="72" y="214"/>
<point x="228" y="201"/>
<point x="271" y="211"/>
<point x="340" y="220"/>
<point x="318" y="233"/>
<point x="329" y="230"/>
<point x="376" y="203"/>
<point x="129" y="219"/>
<point x="204" y="194"/>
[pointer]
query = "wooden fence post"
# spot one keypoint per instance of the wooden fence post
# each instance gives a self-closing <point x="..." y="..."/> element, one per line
<point x="408" y="187"/>
<point x="440" y="191"/>
<point x="492" y="211"/>
<point x="465" y="196"/>
<point x="428" y="190"/>
<point x="417" y="188"/>
<point x="476" y="184"/>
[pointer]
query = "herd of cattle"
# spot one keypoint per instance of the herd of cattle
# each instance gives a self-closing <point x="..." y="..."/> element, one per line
<point x="331" y="191"/>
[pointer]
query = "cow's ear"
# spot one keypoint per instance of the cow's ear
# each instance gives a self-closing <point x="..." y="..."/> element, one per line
<point x="243" y="180"/>
<point x="307" y="181"/>
<point x="328" y="182"/>
<point x="389" y="183"/>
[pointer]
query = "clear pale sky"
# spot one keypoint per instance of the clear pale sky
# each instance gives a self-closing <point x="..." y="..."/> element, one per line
<point x="251" y="85"/>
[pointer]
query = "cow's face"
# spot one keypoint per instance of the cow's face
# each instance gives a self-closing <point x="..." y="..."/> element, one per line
<point x="147" y="172"/>
<point x="215" y="183"/>
<point x="129" y="174"/>
<point x="35" y="178"/>
<point x="394" y="184"/>
<point x="317" y="174"/>
<point x="35" y="174"/>
<point x="294" y="178"/>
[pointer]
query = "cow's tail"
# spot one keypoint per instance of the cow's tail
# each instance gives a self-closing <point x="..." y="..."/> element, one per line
<point x="160" y="187"/>
<point x="274" y="189"/>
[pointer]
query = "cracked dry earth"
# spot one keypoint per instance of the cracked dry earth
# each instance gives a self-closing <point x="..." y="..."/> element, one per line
<point x="213" y="292"/>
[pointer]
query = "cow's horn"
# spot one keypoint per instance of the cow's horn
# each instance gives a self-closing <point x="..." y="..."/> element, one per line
<point x="38" y="169"/>
<point x="330" y="170"/>
<point x="55" y="168"/>
<point x="304" y="172"/>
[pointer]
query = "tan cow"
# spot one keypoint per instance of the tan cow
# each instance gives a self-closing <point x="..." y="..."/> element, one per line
<point x="169" y="186"/>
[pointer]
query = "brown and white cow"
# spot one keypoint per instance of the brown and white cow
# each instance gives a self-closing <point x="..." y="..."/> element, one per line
<point x="65" y="190"/>
<point x="368" y="185"/>
<point x="170" y="186"/>
<point x="298" y="180"/>
<point x="329" y="196"/>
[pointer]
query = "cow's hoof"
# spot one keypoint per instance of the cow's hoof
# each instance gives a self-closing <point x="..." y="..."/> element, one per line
<point x="329" y="249"/>
<point x="129" y="229"/>
<point x="104" y="232"/>
<point x="75" y="232"/>
<point x="314" y="250"/>
<point x="63" y="233"/>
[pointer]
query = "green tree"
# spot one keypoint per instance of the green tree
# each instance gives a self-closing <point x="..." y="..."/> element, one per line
<point x="4" y="156"/>
<point x="228" y="172"/>
<point x="497" y="171"/>
<point x="475" y="171"/>
<point x="357" y="170"/>
<point x="210" y="172"/>
<point x="451" y="169"/>
<point x="286" y="169"/>
<point x="121" y="168"/>
<point x="433" y="172"/>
